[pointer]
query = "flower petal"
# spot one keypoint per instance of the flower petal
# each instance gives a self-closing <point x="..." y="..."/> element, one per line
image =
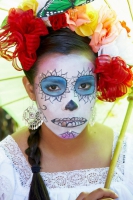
<point x="114" y="77"/>
<point x="23" y="31"/>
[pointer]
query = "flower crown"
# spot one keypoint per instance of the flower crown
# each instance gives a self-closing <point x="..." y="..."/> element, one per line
<point x="22" y="28"/>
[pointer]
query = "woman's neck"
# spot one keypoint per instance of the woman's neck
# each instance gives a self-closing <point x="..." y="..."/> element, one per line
<point x="51" y="143"/>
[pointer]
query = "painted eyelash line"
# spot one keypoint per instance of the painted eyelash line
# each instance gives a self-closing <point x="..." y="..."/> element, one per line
<point x="85" y="98"/>
<point x="74" y="78"/>
<point x="83" y="73"/>
<point x="48" y="97"/>
<point x="52" y="73"/>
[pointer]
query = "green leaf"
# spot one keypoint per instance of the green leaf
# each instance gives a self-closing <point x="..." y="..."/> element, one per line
<point x="4" y="22"/>
<point x="81" y="2"/>
<point x="53" y="7"/>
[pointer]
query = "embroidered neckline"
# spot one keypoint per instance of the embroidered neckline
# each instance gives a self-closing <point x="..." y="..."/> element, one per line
<point x="69" y="179"/>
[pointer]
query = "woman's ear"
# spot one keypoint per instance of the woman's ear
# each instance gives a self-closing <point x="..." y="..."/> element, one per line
<point x="29" y="88"/>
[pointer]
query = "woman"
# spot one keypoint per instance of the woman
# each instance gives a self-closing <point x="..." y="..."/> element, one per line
<point x="60" y="156"/>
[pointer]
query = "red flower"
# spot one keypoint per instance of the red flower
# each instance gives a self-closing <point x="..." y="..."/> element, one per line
<point x="114" y="77"/>
<point x="23" y="31"/>
<point x="58" y="21"/>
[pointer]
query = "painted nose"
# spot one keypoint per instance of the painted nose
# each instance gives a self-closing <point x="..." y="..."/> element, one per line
<point x="71" y="105"/>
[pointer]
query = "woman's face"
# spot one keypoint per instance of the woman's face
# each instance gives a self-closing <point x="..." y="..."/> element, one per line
<point x="65" y="88"/>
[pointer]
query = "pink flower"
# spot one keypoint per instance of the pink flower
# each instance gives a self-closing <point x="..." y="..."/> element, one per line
<point x="82" y="19"/>
<point x="107" y="30"/>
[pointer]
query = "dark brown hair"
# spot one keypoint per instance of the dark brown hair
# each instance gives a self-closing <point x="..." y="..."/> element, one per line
<point x="63" y="41"/>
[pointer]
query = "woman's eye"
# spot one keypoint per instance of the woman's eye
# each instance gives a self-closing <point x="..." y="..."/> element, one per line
<point x="85" y="86"/>
<point x="53" y="88"/>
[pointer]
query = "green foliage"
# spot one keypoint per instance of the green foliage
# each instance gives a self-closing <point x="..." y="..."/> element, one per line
<point x="4" y="22"/>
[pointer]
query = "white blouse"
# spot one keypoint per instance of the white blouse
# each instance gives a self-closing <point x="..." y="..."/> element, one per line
<point x="16" y="175"/>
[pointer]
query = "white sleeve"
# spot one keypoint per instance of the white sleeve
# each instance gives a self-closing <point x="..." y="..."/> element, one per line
<point x="7" y="179"/>
<point x="129" y="164"/>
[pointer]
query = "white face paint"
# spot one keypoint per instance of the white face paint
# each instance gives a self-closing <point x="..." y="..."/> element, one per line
<point x="65" y="88"/>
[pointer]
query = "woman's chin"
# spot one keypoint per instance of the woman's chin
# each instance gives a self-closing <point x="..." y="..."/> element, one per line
<point x="68" y="135"/>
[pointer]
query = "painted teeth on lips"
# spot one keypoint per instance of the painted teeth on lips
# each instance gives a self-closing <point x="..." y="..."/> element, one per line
<point x="69" y="122"/>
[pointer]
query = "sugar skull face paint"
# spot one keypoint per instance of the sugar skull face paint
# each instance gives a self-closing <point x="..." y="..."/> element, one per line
<point x="66" y="87"/>
<point x="53" y="85"/>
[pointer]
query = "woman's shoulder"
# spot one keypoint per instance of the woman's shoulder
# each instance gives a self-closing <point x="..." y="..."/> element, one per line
<point x="7" y="180"/>
<point x="20" y="137"/>
<point x="12" y="150"/>
<point x="102" y="132"/>
<point x="14" y="170"/>
<point x="101" y="139"/>
<point x="21" y="133"/>
<point x="12" y="143"/>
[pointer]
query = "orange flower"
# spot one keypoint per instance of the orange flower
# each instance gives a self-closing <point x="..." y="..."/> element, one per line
<point x="123" y="23"/>
<point x="82" y="20"/>
<point x="107" y="30"/>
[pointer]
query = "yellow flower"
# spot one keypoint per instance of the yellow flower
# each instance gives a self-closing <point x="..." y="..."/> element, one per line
<point x="29" y="4"/>
<point x="84" y="21"/>
<point x="87" y="29"/>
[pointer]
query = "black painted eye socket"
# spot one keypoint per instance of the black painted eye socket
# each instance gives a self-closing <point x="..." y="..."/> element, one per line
<point x="53" y="85"/>
<point x="85" y="85"/>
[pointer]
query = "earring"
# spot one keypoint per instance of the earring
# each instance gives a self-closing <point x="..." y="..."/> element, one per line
<point x="92" y="117"/>
<point x="32" y="116"/>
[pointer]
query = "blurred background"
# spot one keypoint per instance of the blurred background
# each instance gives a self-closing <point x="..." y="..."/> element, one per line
<point x="14" y="100"/>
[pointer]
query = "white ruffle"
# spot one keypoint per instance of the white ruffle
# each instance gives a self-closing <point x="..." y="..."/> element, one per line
<point x="70" y="193"/>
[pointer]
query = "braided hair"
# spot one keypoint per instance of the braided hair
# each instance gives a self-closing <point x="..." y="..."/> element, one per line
<point x="63" y="41"/>
<point x="38" y="190"/>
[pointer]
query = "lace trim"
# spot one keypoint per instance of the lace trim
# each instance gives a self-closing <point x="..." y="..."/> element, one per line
<point x="19" y="162"/>
<point x="5" y="188"/>
<point x="69" y="179"/>
<point x="76" y="178"/>
<point x="122" y="157"/>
